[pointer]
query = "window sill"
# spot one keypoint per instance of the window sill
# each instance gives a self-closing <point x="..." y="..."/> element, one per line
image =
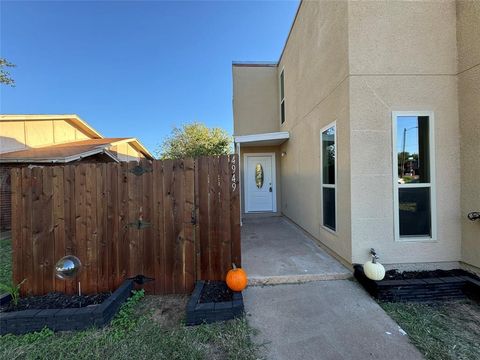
<point x="416" y="239"/>
<point x="333" y="232"/>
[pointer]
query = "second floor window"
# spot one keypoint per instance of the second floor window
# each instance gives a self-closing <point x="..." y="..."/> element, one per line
<point x="282" y="97"/>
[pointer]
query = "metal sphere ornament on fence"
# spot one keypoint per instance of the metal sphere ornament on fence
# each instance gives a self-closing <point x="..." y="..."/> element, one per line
<point x="68" y="267"/>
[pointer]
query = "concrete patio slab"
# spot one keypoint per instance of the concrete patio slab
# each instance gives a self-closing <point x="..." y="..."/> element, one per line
<point x="324" y="320"/>
<point x="275" y="251"/>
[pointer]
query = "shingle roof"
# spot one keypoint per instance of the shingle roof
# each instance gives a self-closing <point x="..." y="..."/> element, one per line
<point x="62" y="152"/>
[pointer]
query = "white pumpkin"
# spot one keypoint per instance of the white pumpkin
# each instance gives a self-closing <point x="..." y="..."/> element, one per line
<point x="374" y="270"/>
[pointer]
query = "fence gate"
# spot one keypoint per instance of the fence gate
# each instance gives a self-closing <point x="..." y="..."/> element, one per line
<point x="174" y="220"/>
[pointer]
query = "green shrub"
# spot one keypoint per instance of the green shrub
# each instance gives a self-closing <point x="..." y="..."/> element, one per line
<point x="13" y="290"/>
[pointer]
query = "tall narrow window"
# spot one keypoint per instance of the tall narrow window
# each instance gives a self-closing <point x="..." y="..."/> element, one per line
<point x="282" y="97"/>
<point x="413" y="176"/>
<point x="329" y="167"/>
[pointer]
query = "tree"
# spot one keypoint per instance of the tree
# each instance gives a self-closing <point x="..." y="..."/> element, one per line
<point x="194" y="140"/>
<point x="5" y="77"/>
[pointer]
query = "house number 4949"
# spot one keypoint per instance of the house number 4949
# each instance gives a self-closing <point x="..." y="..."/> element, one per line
<point x="234" y="179"/>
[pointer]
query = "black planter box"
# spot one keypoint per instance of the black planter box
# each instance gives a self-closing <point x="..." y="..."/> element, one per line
<point x="416" y="290"/>
<point x="25" y="321"/>
<point x="198" y="313"/>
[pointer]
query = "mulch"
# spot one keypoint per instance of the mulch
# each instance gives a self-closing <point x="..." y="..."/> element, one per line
<point x="397" y="275"/>
<point x="215" y="291"/>
<point x="55" y="300"/>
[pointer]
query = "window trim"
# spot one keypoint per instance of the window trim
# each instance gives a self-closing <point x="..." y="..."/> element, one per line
<point x="282" y="100"/>
<point x="431" y="184"/>
<point x="330" y="186"/>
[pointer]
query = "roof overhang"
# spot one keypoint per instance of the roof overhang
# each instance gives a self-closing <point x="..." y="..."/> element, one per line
<point x="59" y="160"/>
<point x="266" y="139"/>
<point x="255" y="63"/>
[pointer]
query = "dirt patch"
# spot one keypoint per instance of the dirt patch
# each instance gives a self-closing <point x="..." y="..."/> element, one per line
<point x="167" y="310"/>
<point x="466" y="314"/>
<point x="55" y="300"/>
<point x="215" y="291"/>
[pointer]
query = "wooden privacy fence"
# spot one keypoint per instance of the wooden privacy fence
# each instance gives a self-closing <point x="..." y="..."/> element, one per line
<point x="174" y="220"/>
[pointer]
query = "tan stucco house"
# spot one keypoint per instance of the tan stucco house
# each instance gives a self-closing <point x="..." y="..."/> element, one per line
<point x="55" y="139"/>
<point x="366" y="131"/>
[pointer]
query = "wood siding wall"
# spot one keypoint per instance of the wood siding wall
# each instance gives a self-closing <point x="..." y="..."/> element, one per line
<point x="176" y="222"/>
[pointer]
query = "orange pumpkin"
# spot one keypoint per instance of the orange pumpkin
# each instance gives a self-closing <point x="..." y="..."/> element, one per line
<point x="237" y="279"/>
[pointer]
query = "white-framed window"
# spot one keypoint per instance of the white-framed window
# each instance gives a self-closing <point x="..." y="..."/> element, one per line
<point x="282" y="96"/>
<point x="414" y="175"/>
<point x="328" y="155"/>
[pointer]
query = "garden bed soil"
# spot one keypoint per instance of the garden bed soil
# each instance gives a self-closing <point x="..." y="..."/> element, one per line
<point x="421" y="286"/>
<point x="215" y="291"/>
<point x="212" y="301"/>
<point x="70" y="312"/>
<point x="55" y="300"/>
<point x="405" y="275"/>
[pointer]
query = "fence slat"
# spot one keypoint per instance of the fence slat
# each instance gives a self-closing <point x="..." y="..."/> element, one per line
<point x="112" y="235"/>
<point x="58" y="221"/>
<point x="70" y="221"/>
<point x="47" y="231"/>
<point x="196" y="233"/>
<point x="103" y="255"/>
<point x="38" y="227"/>
<point x="28" y="269"/>
<point x="234" y="167"/>
<point x="120" y="223"/>
<point x="123" y="243"/>
<point x="189" y="213"/>
<point x="214" y="202"/>
<point x="17" y="219"/>
<point x="158" y="228"/>
<point x="178" y="226"/>
<point x="81" y="223"/>
<point x="224" y="218"/>
<point x="169" y="232"/>
<point x="91" y="267"/>
<point x="203" y="222"/>
<point x="147" y="233"/>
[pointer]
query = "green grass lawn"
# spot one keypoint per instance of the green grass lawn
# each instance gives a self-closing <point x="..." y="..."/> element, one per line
<point x="449" y="330"/>
<point x="5" y="261"/>
<point x="148" y="328"/>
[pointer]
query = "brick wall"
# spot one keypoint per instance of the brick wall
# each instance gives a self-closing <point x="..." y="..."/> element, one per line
<point x="5" y="198"/>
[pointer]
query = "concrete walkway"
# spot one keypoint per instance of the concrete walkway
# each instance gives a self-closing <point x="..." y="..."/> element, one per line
<point x="275" y="251"/>
<point x="324" y="320"/>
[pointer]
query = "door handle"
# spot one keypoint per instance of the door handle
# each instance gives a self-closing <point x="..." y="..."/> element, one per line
<point x="270" y="189"/>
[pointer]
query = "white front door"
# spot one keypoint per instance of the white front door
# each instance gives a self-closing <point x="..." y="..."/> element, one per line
<point x="259" y="183"/>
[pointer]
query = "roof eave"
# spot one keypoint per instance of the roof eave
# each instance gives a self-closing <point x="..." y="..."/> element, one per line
<point x="255" y="63"/>
<point x="279" y="136"/>
<point x="142" y="149"/>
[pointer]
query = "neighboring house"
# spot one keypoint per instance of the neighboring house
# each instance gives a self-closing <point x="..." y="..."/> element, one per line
<point x="366" y="132"/>
<point x="55" y="139"/>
